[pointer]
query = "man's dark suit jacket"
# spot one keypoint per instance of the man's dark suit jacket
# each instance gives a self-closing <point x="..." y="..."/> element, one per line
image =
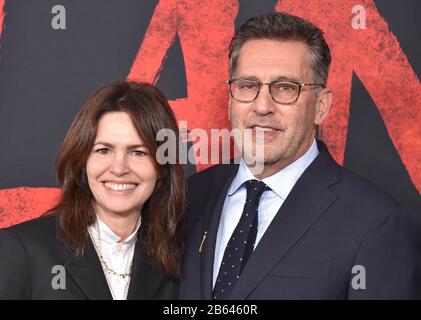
<point x="29" y="251"/>
<point x="331" y="223"/>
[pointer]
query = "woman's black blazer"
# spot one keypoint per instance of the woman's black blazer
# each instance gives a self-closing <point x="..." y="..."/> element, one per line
<point x="35" y="264"/>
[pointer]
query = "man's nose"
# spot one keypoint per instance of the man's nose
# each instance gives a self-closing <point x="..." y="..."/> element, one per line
<point x="264" y="103"/>
<point x="119" y="165"/>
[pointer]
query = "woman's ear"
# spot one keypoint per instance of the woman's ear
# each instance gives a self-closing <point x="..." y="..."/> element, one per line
<point x="323" y="105"/>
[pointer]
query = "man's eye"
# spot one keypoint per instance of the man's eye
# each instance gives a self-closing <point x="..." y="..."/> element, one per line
<point x="283" y="87"/>
<point x="247" y="86"/>
<point x="102" y="151"/>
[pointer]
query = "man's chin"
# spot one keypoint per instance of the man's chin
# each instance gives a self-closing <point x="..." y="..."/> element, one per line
<point x="272" y="160"/>
<point x="267" y="157"/>
<point x="258" y="164"/>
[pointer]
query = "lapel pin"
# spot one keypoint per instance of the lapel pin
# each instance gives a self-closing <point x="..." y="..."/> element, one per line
<point x="203" y="241"/>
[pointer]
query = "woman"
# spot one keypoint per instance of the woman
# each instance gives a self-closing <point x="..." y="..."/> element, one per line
<point x="115" y="232"/>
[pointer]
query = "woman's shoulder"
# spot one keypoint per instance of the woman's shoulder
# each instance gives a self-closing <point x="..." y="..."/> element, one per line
<point x="38" y="229"/>
<point x="25" y="250"/>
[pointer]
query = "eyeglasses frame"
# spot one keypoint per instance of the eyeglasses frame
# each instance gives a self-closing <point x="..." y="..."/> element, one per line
<point x="269" y="84"/>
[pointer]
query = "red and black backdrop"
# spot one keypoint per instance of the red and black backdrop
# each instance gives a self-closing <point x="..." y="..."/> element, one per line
<point x="181" y="46"/>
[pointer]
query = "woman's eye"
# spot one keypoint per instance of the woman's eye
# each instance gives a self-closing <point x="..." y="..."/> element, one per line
<point x="139" y="153"/>
<point x="102" y="151"/>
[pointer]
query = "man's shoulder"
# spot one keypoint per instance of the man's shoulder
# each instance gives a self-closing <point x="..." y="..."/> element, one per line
<point x="361" y="189"/>
<point x="348" y="184"/>
<point x="364" y="203"/>
<point x="215" y="173"/>
<point x="203" y="185"/>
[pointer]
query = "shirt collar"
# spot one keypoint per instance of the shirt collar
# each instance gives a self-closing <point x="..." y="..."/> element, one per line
<point x="281" y="182"/>
<point x="108" y="236"/>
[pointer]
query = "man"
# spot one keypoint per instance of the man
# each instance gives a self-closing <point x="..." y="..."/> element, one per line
<point x="303" y="227"/>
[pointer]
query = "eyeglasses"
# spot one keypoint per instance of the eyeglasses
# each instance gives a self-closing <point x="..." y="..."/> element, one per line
<point x="283" y="92"/>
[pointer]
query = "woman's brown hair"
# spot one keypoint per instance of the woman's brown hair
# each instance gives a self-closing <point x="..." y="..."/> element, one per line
<point x="161" y="214"/>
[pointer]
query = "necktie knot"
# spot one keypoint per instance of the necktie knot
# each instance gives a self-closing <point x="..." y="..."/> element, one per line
<point x="255" y="189"/>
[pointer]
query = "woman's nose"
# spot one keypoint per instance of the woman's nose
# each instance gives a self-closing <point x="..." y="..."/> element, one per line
<point x="119" y="166"/>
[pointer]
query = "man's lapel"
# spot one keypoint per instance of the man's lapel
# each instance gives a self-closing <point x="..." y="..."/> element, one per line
<point x="87" y="273"/>
<point x="307" y="202"/>
<point x="214" y="206"/>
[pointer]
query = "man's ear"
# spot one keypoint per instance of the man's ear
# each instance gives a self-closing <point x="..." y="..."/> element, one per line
<point x="323" y="105"/>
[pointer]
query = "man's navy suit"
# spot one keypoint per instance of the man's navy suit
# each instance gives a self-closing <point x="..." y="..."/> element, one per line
<point x="336" y="236"/>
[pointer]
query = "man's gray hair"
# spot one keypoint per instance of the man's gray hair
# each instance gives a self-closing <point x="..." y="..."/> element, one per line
<point x="284" y="27"/>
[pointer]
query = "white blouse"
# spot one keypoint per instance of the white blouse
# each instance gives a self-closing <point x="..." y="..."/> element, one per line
<point x="118" y="256"/>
